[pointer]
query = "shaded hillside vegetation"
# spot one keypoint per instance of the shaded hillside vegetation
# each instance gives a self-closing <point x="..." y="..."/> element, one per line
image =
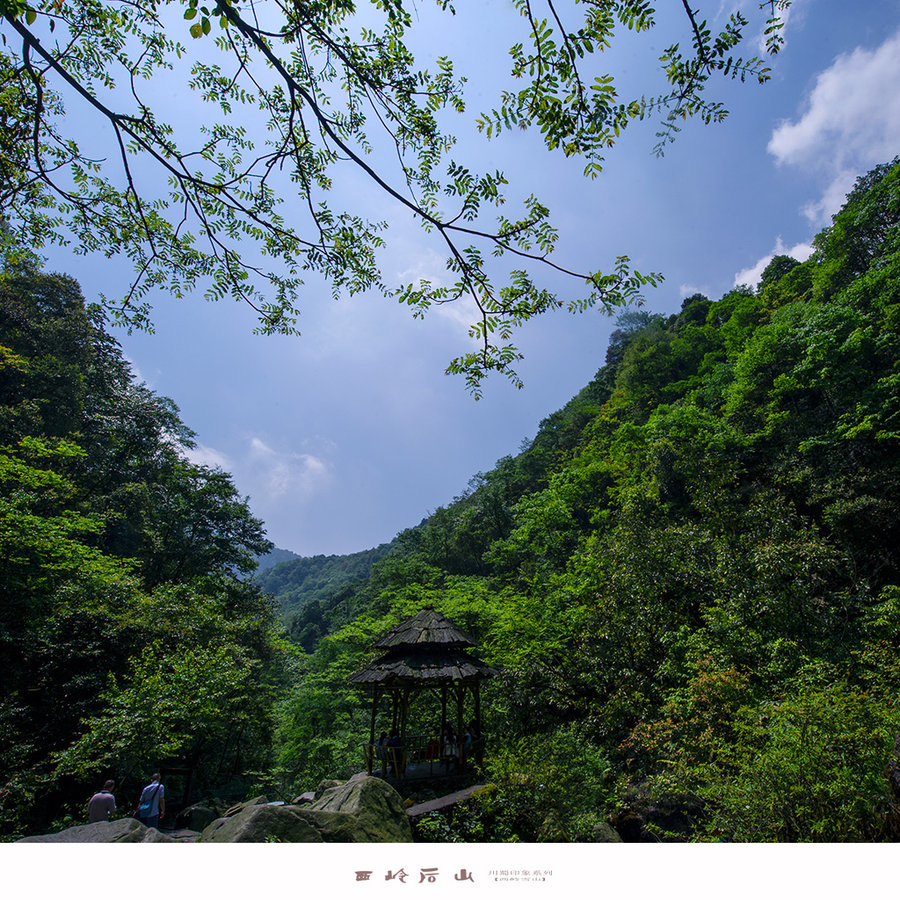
<point x="690" y="578"/>
<point x="273" y="557"/>
<point x="127" y="641"/>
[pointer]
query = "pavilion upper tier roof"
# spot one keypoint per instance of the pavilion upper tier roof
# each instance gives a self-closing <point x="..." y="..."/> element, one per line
<point x="426" y="627"/>
<point x="425" y="649"/>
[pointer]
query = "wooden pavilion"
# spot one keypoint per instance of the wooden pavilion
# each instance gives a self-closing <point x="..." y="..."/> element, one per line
<point x="424" y="654"/>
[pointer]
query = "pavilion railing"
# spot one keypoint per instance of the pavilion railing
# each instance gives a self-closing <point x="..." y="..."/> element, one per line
<point x="420" y="757"/>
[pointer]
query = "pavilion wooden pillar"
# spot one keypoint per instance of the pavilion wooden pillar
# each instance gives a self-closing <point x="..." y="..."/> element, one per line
<point x="370" y="756"/>
<point x="479" y="740"/>
<point x="460" y="701"/>
<point x="404" y="715"/>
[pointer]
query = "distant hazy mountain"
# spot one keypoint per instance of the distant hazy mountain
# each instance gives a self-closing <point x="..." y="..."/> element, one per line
<point x="295" y="581"/>
<point x="275" y="556"/>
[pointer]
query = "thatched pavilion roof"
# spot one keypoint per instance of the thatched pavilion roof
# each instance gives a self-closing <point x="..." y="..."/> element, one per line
<point x="424" y="650"/>
<point x="426" y="627"/>
<point x="423" y="669"/>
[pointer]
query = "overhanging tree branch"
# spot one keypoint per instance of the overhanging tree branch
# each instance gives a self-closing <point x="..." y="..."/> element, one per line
<point x="298" y="65"/>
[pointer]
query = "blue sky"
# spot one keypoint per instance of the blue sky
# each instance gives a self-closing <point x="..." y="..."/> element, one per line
<point x="348" y="434"/>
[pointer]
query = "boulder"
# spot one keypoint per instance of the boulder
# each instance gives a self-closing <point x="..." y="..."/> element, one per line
<point x="120" y="831"/>
<point x="239" y="807"/>
<point x="257" y="824"/>
<point x="378" y="809"/>
<point x="604" y="833"/>
<point x="325" y="785"/>
<point x="366" y="810"/>
<point x="196" y="817"/>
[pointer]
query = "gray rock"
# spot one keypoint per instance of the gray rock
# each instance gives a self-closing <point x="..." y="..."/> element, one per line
<point x="259" y="824"/>
<point x="239" y="807"/>
<point x="121" y="831"/>
<point x="367" y="810"/>
<point x="604" y="833"/>
<point x="184" y="836"/>
<point x="378" y="809"/>
<point x="327" y="784"/>
<point x="196" y="817"/>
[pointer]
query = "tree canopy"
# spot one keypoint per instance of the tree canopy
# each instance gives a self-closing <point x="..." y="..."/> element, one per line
<point x="298" y="95"/>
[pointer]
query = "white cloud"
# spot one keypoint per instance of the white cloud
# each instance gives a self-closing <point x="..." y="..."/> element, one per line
<point x="462" y="312"/>
<point x="750" y="8"/>
<point x="851" y="123"/>
<point x="430" y="267"/>
<point x="427" y="265"/>
<point x="688" y="290"/>
<point x="785" y="15"/>
<point x="751" y="275"/>
<point x="137" y="377"/>
<point x="202" y="455"/>
<point x="285" y="473"/>
<point x="819" y="212"/>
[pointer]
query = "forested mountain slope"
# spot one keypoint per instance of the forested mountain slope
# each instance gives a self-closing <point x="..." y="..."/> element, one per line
<point x="127" y="643"/>
<point x="309" y="590"/>
<point x="273" y="557"/>
<point x="690" y="579"/>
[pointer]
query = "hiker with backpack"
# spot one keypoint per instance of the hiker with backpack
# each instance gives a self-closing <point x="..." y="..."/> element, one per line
<point x="152" y="805"/>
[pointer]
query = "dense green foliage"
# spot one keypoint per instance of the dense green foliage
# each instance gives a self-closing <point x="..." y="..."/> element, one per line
<point x="690" y="577"/>
<point x="127" y="642"/>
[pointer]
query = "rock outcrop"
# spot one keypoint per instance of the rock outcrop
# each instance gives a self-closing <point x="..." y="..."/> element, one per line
<point x="376" y="808"/>
<point x="120" y="831"/>
<point x="604" y="833"/>
<point x="260" y="824"/>
<point x="364" y="810"/>
<point x="198" y="816"/>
